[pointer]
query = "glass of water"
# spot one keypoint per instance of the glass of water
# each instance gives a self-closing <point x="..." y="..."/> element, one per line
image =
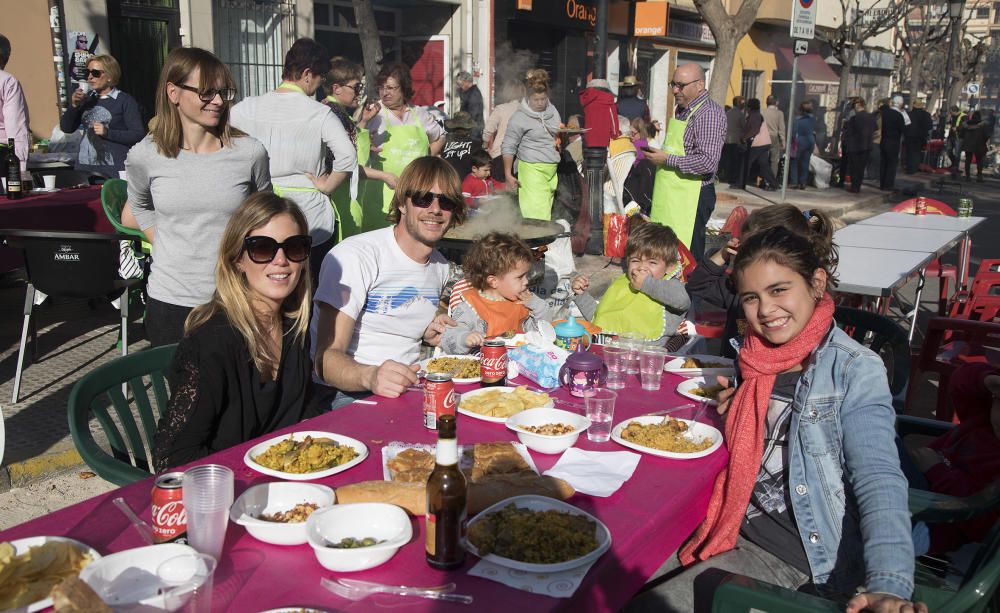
<point x="614" y="358"/>
<point x="600" y="409"/>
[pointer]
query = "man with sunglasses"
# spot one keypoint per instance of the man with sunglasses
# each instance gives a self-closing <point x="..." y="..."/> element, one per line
<point x="297" y="131"/>
<point x="378" y="291"/>
<point x="684" y="190"/>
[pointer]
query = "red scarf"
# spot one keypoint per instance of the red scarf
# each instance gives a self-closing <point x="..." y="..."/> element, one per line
<point x="760" y="363"/>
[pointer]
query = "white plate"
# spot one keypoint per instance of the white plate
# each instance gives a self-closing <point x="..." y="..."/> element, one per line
<point x="696" y="430"/>
<point x="424" y="363"/>
<point x="260" y="448"/>
<point x="128" y="580"/>
<point x="541" y="503"/>
<point x="684" y="389"/>
<point x="674" y="366"/>
<point x="22" y="545"/>
<point x="483" y="390"/>
<point x="392" y="449"/>
<point x="45" y="190"/>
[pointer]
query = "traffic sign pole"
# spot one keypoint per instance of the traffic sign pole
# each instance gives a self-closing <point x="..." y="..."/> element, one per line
<point x="788" y="130"/>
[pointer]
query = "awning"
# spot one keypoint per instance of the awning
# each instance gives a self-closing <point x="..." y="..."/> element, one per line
<point x="812" y="68"/>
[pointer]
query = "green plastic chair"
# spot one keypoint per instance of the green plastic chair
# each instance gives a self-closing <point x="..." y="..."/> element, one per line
<point x="977" y="592"/>
<point x="101" y="394"/>
<point x="886" y="338"/>
<point x="114" y="193"/>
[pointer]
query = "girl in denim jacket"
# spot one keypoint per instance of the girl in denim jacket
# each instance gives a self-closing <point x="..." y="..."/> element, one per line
<point x="812" y="497"/>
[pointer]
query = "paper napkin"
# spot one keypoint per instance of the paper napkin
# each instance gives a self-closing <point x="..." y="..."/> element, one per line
<point x="558" y="585"/>
<point x="597" y="473"/>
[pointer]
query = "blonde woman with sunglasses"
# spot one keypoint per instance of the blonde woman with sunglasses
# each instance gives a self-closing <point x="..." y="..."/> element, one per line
<point x="242" y="369"/>
<point x="185" y="180"/>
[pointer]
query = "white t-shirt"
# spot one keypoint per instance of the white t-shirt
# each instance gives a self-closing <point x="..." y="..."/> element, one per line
<point x="377" y="126"/>
<point x="390" y="297"/>
<point x="297" y="131"/>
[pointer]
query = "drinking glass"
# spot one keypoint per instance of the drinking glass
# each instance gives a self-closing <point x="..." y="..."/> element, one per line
<point x="600" y="408"/>
<point x="631" y="343"/>
<point x="188" y="582"/>
<point x="651" y="361"/>
<point x="208" y="494"/>
<point x="614" y="358"/>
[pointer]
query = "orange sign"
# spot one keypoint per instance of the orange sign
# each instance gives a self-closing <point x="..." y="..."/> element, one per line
<point x="524" y="5"/>
<point x="651" y="19"/>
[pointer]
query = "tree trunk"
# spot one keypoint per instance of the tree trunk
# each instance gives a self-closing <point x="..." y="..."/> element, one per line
<point x="728" y="30"/>
<point x="371" y="46"/>
<point x="916" y="74"/>
<point x="722" y="69"/>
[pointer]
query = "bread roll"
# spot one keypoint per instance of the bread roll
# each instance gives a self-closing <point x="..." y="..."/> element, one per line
<point x="489" y="490"/>
<point x="74" y="596"/>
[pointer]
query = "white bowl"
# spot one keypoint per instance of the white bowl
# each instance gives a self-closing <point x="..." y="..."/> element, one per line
<point x="128" y="582"/>
<point x="271" y="498"/>
<point x="383" y="522"/>
<point x="543" y="443"/>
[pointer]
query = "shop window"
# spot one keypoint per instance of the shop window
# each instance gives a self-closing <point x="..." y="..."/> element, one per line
<point x="982" y="12"/>
<point x="750" y="83"/>
<point x="996" y="12"/>
<point x="321" y="13"/>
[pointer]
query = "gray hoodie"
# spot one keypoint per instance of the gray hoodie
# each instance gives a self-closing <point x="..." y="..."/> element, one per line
<point x="531" y="138"/>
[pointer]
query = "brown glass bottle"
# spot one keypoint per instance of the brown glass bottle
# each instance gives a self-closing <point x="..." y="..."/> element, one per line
<point x="14" y="187"/>
<point x="446" y="499"/>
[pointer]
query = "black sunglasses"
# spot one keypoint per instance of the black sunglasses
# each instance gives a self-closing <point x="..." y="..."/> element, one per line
<point x="263" y="249"/>
<point x="207" y="95"/>
<point x="424" y="200"/>
<point x="93" y="72"/>
<point x="357" y="87"/>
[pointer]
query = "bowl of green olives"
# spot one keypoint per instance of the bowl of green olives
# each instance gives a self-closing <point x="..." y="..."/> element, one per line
<point x="352" y="537"/>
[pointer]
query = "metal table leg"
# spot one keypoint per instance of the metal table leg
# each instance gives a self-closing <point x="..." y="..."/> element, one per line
<point x="916" y="304"/>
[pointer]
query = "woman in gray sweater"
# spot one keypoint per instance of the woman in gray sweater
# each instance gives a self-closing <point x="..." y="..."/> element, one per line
<point x="530" y="137"/>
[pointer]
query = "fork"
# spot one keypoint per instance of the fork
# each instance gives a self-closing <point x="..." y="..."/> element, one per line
<point x="353" y="589"/>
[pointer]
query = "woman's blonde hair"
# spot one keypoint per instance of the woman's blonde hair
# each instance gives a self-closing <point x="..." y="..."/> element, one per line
<point x="232" y="292"/>
<point x="165" y="127"/>
<point x="111" y="67"/>
<point x="537" y="81"/>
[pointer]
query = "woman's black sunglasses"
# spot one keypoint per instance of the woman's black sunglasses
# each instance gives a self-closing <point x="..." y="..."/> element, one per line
<point x="93" y="72"/>
<point x="424" y="200"/>
<point x="263" y="249"/>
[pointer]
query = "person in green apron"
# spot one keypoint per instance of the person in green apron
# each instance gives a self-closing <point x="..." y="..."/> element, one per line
<point x="400" y="133"/>
<point x="684" y="189"/>
<point x="650" y="299"/>
<point x="345" y="87"/>
<point x="530" y="137"/>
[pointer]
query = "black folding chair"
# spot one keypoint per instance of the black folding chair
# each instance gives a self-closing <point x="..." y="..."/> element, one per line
<point x="69" y="265"/>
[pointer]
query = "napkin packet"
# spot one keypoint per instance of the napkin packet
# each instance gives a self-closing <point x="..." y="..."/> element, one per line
<point x="539" y="361"/>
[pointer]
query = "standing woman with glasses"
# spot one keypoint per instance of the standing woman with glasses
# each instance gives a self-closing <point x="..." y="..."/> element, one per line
<point x="242" y="369"/>
<point x="531" y="137"/>
<point x="345" y="86"/>
<point x="185" y="180"/>
<point x="110" y="119"/>
<point x="400" y="133"/>
<point x="298" y="131"/>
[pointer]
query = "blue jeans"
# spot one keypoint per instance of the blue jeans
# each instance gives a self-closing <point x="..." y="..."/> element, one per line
<point x="799" y="172"/>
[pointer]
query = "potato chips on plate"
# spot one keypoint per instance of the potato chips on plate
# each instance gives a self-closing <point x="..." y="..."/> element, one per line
<point x="31" y="567"/>
<point x="496" y="404"/>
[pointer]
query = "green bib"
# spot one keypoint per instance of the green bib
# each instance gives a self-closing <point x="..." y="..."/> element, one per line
<point x="402" y="145"/>
<point x="622" y="309"/>
<point x="537" y="183"/>
<point x="675" y="194"/>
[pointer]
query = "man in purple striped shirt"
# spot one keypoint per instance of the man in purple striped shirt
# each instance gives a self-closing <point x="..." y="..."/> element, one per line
<point x="684" y="192"/>
<point x="13" y="110"/>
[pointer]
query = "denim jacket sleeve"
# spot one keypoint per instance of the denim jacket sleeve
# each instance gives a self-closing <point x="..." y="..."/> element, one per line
<point x="872" y="469"/>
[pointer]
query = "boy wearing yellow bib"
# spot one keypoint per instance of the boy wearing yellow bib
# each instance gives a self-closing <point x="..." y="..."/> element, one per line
<point x="650" y="299"/>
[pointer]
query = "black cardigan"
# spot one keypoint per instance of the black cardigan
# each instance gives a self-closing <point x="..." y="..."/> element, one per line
<point x="709" y="282"/>
<point x="218" y="398"/>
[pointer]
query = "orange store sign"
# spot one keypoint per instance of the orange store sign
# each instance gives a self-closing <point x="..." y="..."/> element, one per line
<point x="651" y="19"/>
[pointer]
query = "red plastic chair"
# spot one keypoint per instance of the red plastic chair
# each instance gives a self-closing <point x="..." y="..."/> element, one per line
<point x="981" y="303"/>
<point x="971" y="341"/>
<point x="935" y="269"/>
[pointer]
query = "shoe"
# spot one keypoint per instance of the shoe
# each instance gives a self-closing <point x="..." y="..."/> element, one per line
<point x="855" y="191"/>
<point x="800" y="186"/>
<point x="769" y="188"/>
<point x="979" y="179"/>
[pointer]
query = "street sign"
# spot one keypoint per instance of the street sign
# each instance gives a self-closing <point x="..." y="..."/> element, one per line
<point x="972" y="89"/>
<point x="801" y="47"/>
<point x="804" y="19"/>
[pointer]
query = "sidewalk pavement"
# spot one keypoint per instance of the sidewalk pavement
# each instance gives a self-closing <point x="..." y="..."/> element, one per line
<point x="74" y="338"/>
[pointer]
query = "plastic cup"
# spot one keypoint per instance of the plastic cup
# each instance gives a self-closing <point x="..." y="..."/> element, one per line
<point x="651" y="361"/>
<point x="600" y="408"/>
<point x="49" y="181"/>
<point x="614" y="359"/>
<point x="84" y="86"/>
<point x="631" y="344"/>
<point x="123" y="175"/>
<point x="208" y="494"/>
<point x="188" y="581"/>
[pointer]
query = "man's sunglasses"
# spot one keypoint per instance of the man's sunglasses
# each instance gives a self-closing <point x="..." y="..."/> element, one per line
<point x="93" y="72"/>
<point x="207" y="95"/>
<point x="424" y="200"/>
<point x="357" y="87"/>
<point x="263" y="249"/>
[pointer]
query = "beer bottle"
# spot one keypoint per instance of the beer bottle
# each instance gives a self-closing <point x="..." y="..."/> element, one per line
<point x="14" y="190"/>
<point x="446" y="498"/>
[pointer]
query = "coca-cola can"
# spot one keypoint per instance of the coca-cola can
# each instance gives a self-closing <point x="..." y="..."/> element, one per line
<point x="493" y="364"/>
<point x="920" y="208"/>
<point x="169" y="517"/>
<point x="439" y="398"/>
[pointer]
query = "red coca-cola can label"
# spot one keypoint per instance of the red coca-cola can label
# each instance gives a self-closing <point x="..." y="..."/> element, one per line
<point x="169" y="518"/>
<point x="493" y="364"/>
<point x="921" y="206"/>
<point x="439" y="398"/>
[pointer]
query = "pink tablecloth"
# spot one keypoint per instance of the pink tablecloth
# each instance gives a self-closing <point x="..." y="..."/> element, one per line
<point x="69" y="210"/>
<point x="649" y="517"/>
